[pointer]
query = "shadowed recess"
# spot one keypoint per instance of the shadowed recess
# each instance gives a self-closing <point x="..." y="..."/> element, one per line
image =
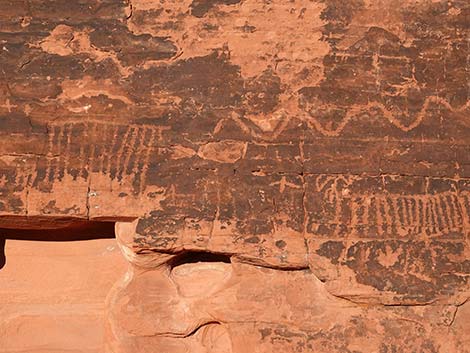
<point x="54" y="231"/>
<point x="191" y="257"/>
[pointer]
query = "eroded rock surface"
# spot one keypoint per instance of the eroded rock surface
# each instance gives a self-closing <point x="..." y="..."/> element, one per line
<point x="53" y="294"/>
<point x="314" y="153"/>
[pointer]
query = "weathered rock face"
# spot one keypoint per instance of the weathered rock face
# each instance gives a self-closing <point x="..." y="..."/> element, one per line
<point x="287" y="175"/>
<point x="53" y="294"/>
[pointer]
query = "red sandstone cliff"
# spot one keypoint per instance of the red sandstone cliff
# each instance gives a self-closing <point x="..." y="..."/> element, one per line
<point x="287" y="176"/>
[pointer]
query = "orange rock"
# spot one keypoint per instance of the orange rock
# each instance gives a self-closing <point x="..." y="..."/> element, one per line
<point x="284" y="176"/>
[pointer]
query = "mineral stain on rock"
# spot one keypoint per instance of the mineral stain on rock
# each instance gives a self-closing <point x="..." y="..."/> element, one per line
<point x="286" y="176"/>
<point x="200" y="7"/>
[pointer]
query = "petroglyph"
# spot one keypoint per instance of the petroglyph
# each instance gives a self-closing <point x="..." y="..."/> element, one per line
<point x="402" y="215"/>
<point x="355" y="111"/>
<point x="88" y="87"/>
<point x="271" y="128"/>
<point x="379" y="213"/>
<point x="79" y="149"/>
<point x="326" y="142"/>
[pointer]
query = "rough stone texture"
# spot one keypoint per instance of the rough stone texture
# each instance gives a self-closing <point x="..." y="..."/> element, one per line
<point x="288" y="175"/>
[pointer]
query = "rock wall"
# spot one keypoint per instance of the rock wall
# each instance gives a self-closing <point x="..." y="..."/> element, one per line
<point x="53" y="294"/>
<point x="286" y="175"/>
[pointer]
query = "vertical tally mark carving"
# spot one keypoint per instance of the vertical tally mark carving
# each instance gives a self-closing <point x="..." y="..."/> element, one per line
<point x="431" y="214"/>
<point x="118" y="151"/>
<point x="51" y="153"/>
<point x="93" y="147"/>
<point x="391" y="214"/>
<point x="152" y="140"/>
<point x="122" y="152"/>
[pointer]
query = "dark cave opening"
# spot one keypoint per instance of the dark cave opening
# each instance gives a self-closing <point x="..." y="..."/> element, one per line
<point x="191" y="257"/>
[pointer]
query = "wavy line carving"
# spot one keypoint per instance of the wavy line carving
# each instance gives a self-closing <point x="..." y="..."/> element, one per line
<point x="313" y="122"/>
<point x="280" y="119"/>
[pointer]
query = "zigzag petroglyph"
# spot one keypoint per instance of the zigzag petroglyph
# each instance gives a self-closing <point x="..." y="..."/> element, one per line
<point x="280" y="119"/>
<point x="357" y="110"/>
